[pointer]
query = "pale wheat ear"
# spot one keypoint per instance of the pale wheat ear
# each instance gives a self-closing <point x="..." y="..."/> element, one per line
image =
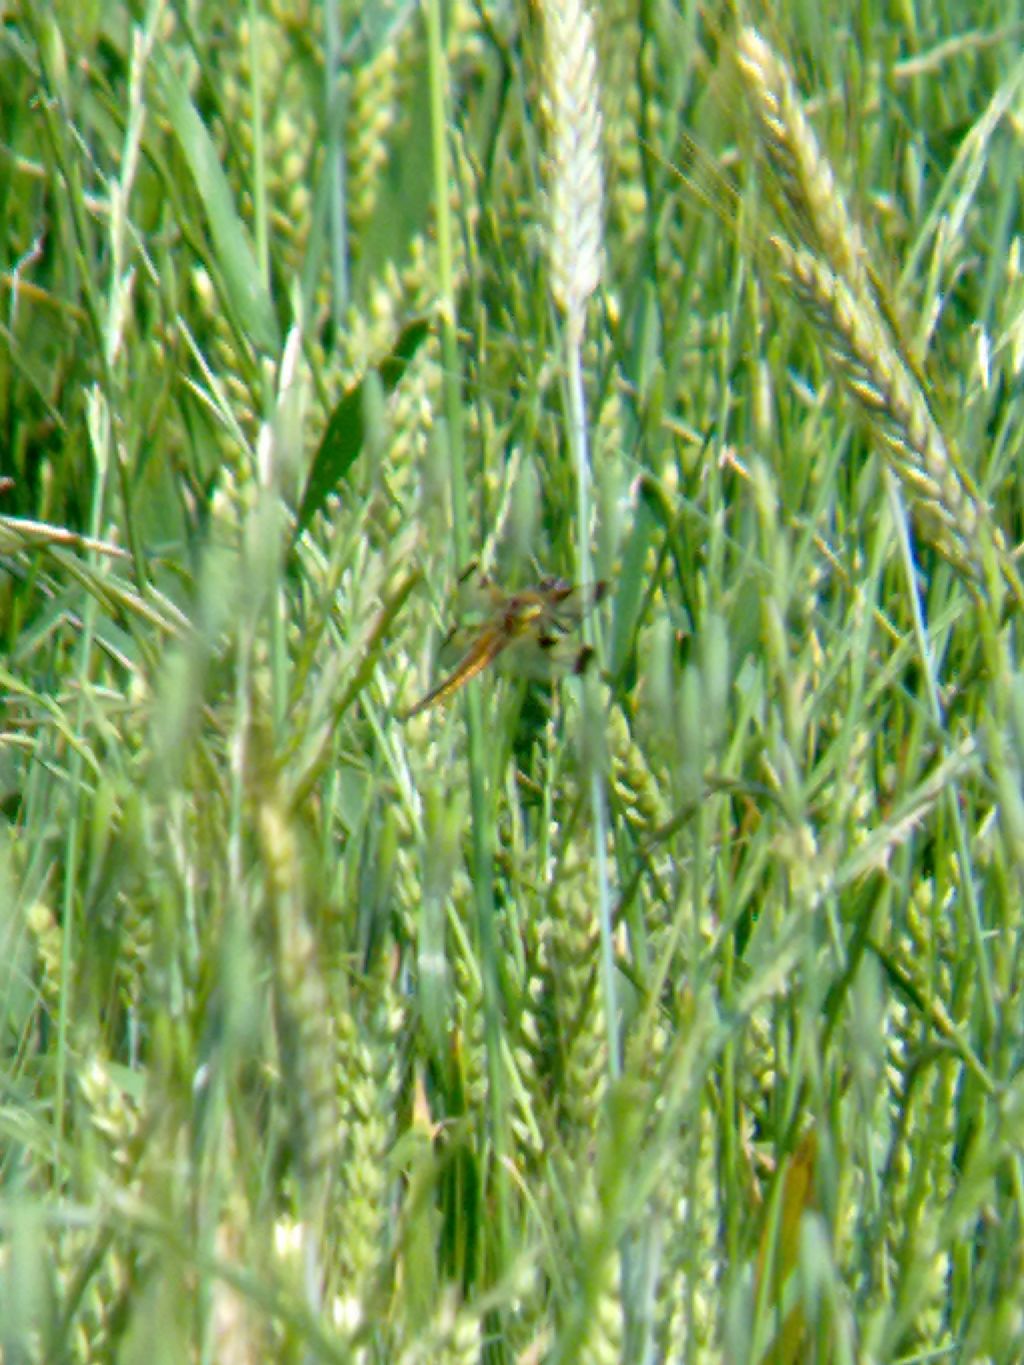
<point x="812" y="205"/>
<point x="575" y="181"/>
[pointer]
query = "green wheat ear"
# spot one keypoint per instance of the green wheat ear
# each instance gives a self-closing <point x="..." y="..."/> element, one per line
<point x="829" y="274"/>
<point x="302" y="1007"/>
<point x="873" y="374"/>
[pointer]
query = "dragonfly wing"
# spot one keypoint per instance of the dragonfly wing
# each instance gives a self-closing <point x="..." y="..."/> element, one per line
<point x="476" y="608"/>
<point x="570" y="605"/>
<point x="545" y="657"/>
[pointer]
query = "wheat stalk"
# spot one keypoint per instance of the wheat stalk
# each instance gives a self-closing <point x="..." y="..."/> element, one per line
<point x="575" y="206"/>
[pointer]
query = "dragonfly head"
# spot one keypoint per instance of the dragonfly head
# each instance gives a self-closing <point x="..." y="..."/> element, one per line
<point x="522" y="612"/>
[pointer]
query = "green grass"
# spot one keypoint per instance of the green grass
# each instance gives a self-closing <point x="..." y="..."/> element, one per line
<point x="311" y="1049"/>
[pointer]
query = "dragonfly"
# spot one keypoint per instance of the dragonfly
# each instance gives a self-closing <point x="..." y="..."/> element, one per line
<point x="534" y="625"/>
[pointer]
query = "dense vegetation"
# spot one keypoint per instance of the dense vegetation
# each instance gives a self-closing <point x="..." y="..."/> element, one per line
<point x="668" y="1012"/>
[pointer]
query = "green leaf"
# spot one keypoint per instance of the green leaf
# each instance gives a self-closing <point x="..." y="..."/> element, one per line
<point x="376" y="26"/>
<point x="247" y="291"/>
<point x="631" y="586"/>
<point x="343" y="439"/>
